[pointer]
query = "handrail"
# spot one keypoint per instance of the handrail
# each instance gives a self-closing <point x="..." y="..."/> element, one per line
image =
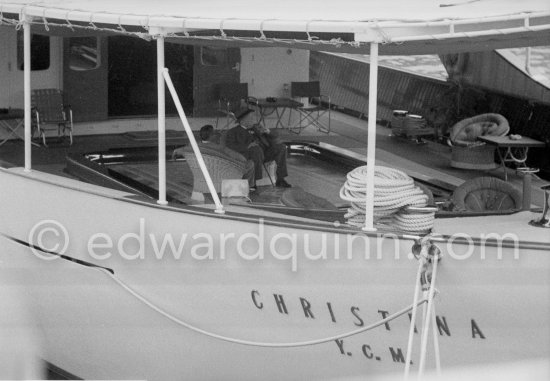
<point x="194" y="145"/>
<point x="43" y="12"/>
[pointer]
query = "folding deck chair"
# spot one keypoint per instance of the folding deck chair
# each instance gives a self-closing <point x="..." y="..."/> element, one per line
<point x="49" y="109"/>
<point x="315" y="106"/>
<point x="232" y="97"/>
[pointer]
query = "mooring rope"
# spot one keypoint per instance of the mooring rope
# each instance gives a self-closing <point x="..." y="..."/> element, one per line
<point x="429" y="316"/>
<point x="428" y="256"/>
<point x="394" y="193"/>
<point x="258" y="343"/>
<point x="437" y="355"/>
<point x="413" y="319"/>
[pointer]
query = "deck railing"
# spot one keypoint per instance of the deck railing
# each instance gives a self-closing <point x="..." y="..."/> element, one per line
<point x="347" y="82"/>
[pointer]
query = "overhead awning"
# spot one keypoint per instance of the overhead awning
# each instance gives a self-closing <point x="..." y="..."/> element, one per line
<point x="399" y="26"/>
<point x="351" y="26"/>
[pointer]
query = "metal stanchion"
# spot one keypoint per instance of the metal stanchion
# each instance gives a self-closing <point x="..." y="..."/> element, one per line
<point x="544" y="221"/>
<point x="527" y="177"/>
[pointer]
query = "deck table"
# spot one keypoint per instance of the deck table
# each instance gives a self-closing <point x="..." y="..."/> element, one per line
<point x="268" y="106"/>
<point x="515" y="151"/>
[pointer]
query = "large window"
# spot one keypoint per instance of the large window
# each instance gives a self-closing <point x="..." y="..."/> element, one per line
<point x="40" y="52"/>
<point x="84" y="53"/>
<point x="133" y="76"/>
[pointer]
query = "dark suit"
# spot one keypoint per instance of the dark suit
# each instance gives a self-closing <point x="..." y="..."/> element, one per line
<point x="239" y="139"/>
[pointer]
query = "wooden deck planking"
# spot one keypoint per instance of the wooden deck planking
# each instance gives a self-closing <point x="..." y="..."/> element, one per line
<point x="178" y="177"/>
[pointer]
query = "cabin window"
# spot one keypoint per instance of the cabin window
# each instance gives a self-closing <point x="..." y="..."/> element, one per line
<point x="40" y="52"/>
<point x="213" y="56"/>
<point x="84" y="53"/>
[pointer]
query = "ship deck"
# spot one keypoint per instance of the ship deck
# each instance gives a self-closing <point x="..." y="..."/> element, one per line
<point x="428" y="161"/>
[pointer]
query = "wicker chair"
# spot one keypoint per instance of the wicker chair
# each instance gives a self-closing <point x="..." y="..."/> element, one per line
<point x="219" y="166"/>
<point x="466" y="151"/>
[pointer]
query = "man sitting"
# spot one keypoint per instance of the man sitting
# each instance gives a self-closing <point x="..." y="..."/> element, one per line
<point x="211" y="140"/>
<point x="261" y="148"/>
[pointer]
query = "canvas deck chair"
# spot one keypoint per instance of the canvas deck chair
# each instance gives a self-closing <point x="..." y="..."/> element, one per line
<point x="316" y="106"/>
<point x="51" y="113"/>
<point x="232" y="97"/>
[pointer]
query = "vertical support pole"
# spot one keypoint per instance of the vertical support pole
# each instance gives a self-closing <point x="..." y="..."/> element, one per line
<point x="161" y="122"/>
<point x="527" y="176"/>
<point x="371" y="136"/>
<point x="526" y="202"/>
<point x="27" y="89"/>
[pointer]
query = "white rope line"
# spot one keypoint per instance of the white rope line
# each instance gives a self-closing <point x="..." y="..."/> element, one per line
<point x="187" y="35"/>
<point x="89" y="26"/>
<point x="436" y="343"/>
<point x="413" y="318"/>
<point x="427" y="320"/>
<point x="257" y="343"/>
<point x="184" y="27"/>
<point x="429" y="255"/>
<point x="394" y="190"/>
<point x="521" y="152"/>
<point x="222" y="33"/>
<point x="262" y="34"/>
<point x="91" y="22"/>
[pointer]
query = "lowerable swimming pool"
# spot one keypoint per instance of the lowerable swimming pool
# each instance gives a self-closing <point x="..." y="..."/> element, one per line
<point x="317" y="171"/>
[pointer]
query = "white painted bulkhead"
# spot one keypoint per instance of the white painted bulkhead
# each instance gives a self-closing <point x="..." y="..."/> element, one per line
<point x="266" y="70"/>
<point x="12" y="76"/>
<point x="269" y="72"/>
<point x="11" y="71"/>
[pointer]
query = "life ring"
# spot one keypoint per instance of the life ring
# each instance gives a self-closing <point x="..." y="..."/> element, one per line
<point x="460" y="131"/>
<point x="455" y="63"/>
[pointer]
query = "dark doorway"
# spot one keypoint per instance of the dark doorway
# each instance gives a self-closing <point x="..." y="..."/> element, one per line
<point x="133" y="76"/>
<point x="213" y="66"/>
<point x="85" y="76"/>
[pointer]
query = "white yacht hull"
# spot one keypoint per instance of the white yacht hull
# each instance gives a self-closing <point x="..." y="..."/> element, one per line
<point x="493" y="305"/>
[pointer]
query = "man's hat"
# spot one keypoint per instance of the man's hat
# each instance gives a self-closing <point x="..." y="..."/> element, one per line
<point x="241" y="114"/>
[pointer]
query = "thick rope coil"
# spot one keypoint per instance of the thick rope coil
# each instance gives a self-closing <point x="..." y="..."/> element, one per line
<point x="394" y="191"/>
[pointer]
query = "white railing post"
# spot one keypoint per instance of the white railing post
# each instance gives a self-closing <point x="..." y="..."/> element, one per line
<point x="27" y="90"/>
<point x="371" y="136"/>
<point x="194" y="145"/>
<point x="161" y="122"/>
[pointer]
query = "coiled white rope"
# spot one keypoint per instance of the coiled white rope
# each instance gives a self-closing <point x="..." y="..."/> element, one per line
<point x="394" y="191"/>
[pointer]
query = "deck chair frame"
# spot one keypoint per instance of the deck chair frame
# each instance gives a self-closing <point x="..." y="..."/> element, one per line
<point x="317" y="106"/>
<point x="231" y="98"/>
<point x="49" y="109"/>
